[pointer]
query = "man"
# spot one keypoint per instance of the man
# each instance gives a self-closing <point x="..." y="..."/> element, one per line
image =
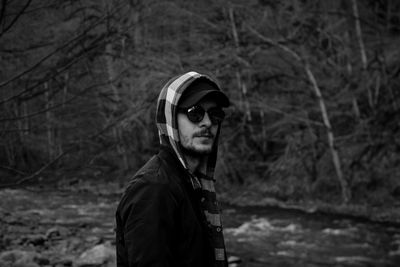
<point x="168" y="215"/>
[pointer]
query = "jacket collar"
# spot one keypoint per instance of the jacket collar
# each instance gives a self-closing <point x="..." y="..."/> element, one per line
<point x="168" y="155"/>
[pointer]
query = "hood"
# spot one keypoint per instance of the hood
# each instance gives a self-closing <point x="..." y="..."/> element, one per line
<point x="166" y="118"/>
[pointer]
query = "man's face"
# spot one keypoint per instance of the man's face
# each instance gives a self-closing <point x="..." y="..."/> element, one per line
<point x="198" y="138"/>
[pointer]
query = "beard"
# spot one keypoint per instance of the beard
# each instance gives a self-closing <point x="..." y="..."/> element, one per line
<point x="192" y="151"/>
<point x="194" y="147"/>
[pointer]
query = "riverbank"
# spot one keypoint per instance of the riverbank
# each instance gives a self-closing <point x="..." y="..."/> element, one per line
<point x="249" y="196"/>
<point x="237" y="195"/>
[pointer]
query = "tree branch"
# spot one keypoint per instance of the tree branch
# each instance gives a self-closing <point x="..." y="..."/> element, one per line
<point x="15" y="18"/>
<point x="274" y="43"/>
<point x="3" y="10"/>
<point x="52" y="53"/>
<point x="54" y="106"/>
<point x="38" y="172"/>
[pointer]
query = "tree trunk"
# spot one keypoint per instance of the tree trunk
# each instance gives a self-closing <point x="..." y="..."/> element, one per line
<point x="135" y="17"/>
<point x="363" y="54"/>
<point x="49" y="122"/>
<point x="331" y="138"/>
<point x="23" y="123"/>
<point x="65" y="89"/>
<point x="116" y="100"/>
<point x="263" y="133"/>
<point x="244" y="103"/>
<point x="233" y="26"/>
<point x="349" y="68"/>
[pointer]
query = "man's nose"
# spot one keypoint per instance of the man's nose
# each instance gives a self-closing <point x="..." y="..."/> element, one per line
<point x="206" y="120"/>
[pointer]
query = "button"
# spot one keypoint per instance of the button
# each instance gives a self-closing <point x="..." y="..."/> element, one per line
<point x="218" y="229"/>
<point x="202" y="199"/>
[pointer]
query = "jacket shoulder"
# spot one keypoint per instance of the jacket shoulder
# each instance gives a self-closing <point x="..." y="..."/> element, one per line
<point x="152" y="181"/>
<point x="154" y="172"/>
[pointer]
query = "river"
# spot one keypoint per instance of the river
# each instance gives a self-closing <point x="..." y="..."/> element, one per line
<point x="277" y="237"/>
<point x="259" y="236"/>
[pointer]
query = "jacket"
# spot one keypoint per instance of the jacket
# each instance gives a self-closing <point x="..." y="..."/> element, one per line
<point x="169" y="216"/>
<point x="159" y="222"/>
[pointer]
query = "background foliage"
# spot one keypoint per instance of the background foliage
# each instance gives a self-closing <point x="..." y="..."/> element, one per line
<point x="314" y="86"/>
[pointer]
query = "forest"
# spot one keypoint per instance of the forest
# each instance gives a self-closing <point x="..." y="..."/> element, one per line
<point x="309" y="155"/>
<point x="314" y="87"/>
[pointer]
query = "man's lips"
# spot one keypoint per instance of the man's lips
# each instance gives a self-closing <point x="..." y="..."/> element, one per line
<point x="205" y="134"/>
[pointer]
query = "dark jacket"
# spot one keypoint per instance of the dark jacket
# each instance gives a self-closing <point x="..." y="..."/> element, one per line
<point x="159" y="220"/>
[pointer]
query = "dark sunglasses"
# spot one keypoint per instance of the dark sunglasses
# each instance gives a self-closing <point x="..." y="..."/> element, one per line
<point x="196" y="114"/>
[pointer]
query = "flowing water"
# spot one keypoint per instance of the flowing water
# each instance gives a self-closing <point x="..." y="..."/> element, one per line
<point x="276" y="237"/>
<point x="259" y="236"/>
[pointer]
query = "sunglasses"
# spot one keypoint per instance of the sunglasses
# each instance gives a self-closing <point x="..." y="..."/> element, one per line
<point x="196" y="114"/>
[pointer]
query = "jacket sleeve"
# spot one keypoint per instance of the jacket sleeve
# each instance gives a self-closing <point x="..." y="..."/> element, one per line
<point x="147" y="222"/>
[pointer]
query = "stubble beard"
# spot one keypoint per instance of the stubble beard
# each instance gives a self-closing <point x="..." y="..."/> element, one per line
<point x="190" y="149"/>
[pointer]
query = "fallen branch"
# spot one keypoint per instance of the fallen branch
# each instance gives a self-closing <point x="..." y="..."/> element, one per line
<point x="38" y="172"/>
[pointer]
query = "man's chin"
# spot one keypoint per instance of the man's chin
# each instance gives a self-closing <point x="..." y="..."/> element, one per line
<point x="200" y="150"/>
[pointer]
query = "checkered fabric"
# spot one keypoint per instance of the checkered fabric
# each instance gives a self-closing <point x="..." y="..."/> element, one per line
<point x="166" y="119"/>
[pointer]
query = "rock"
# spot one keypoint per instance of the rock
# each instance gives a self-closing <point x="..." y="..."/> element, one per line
<point x="67" y="261"/>
<point x="234" y="261"/>
<point x="100" y="255"/>
<point x="18" y="258"/>
<point x="94" y="240"/>
<point x="75" y="244"/>
<point x="57" y="232"/>
<point x="395" y="252"/>
<point x="36" y="240"/>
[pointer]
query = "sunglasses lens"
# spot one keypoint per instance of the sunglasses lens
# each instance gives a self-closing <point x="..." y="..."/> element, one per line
<point x="217" y="115"/>
<point x="195" y="114"/>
